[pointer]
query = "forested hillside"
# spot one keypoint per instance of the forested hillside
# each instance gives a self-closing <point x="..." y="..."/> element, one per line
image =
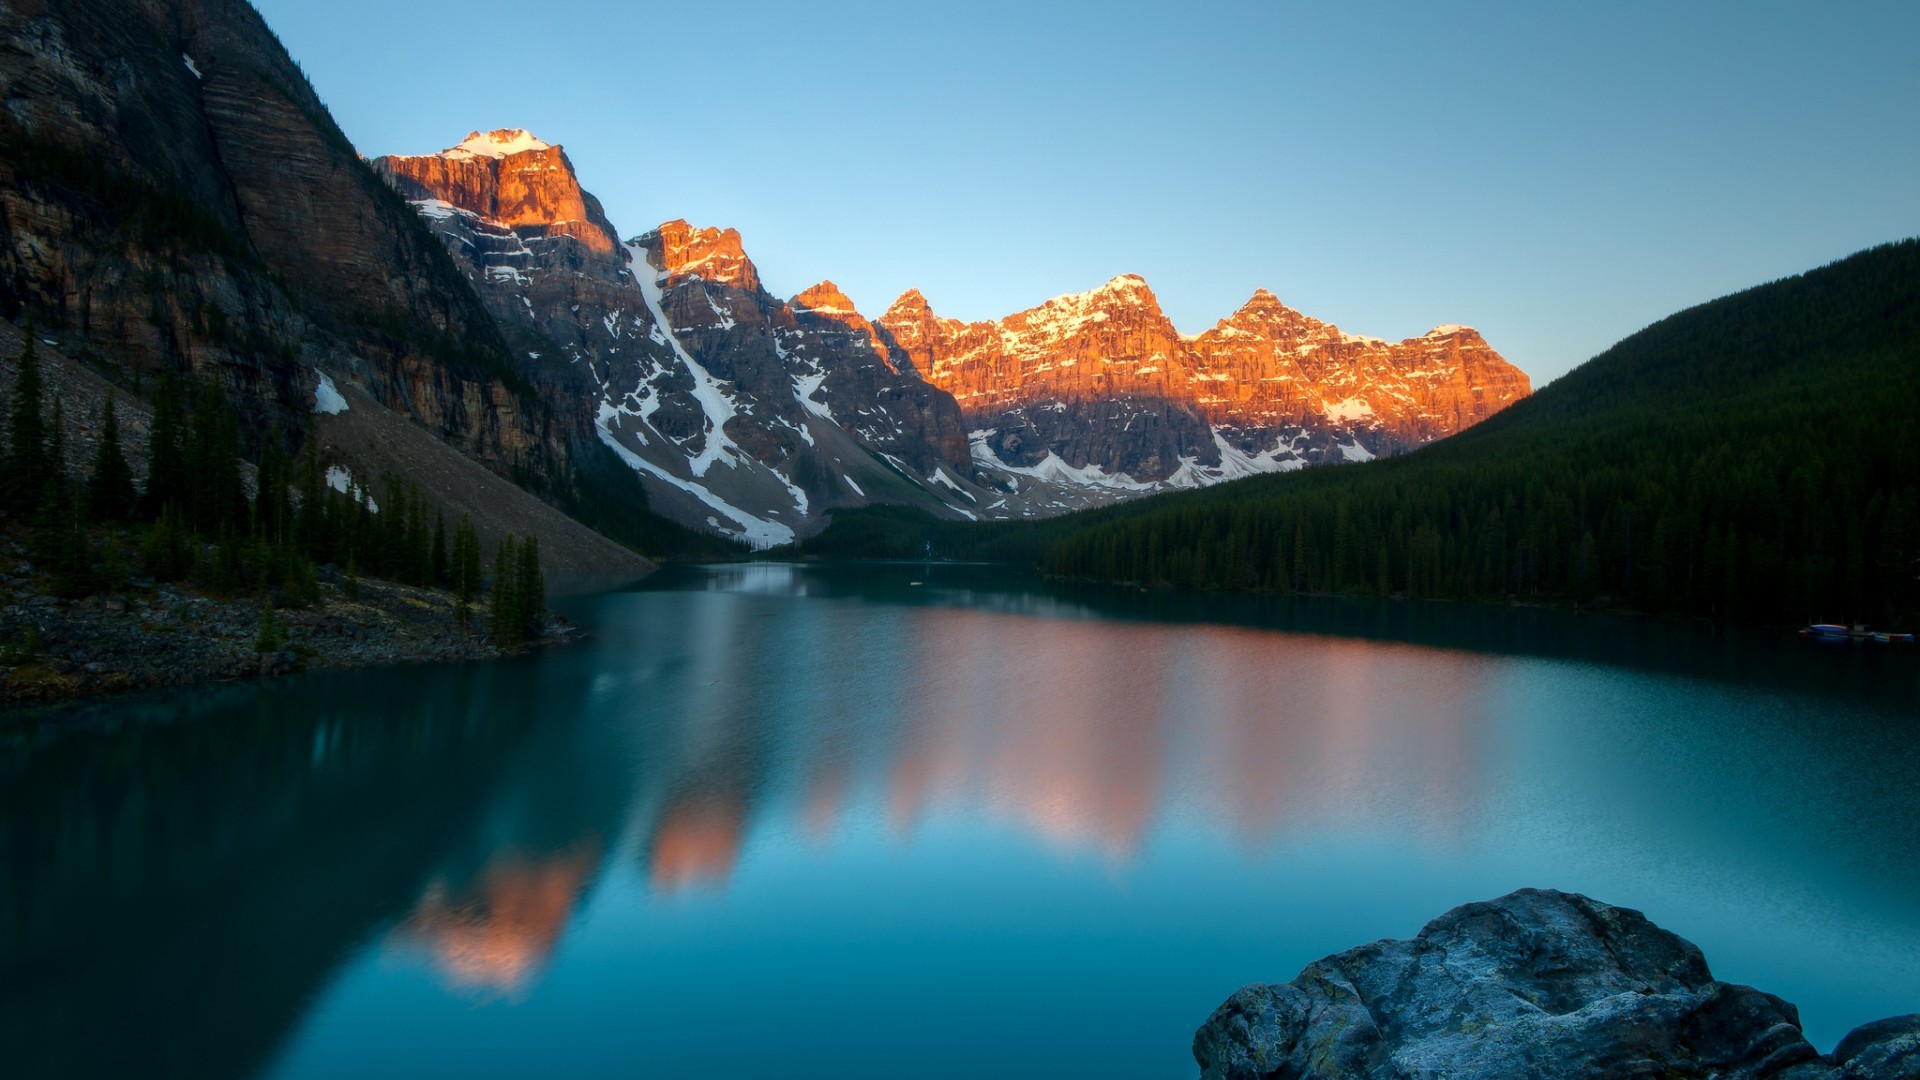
<point x="1753" y="457"/>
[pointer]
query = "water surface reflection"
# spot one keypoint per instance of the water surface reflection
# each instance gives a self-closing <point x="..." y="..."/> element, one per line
<point x="919" y="814"/>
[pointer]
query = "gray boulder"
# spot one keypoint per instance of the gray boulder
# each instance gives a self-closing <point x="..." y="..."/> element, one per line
<point x="1538" y="984"/>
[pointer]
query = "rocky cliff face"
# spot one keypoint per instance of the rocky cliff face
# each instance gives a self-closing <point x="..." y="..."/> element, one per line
<point x="1100" y="387"/>
<point x="510" y="177"/>
<point x="173" y="196"/>
<point x="1539" y="984"/>
<point x="738" y="412"/>
<point x="710" y="255"/>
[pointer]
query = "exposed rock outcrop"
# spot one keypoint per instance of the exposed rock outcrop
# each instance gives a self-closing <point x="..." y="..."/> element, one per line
<point x="1537" y="984"/>
<point x="510" y="177"/>
<point x="1102" y="381"/>
<point x="710" y="254"/>
<point x="174" y="196"/>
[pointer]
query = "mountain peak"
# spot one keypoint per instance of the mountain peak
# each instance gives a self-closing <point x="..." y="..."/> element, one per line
<point x="1262" y="301"/>
<point x="911" y="306"/>
<point x="1122" y="289"/>
<point x="506" y="176"/>
<point x="827" y="299"/>
<point x="711" y="254"/>
<point x="498" y="143"/>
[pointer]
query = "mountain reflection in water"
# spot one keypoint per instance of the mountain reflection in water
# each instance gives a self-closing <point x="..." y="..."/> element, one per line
<point x="921" y="805"/>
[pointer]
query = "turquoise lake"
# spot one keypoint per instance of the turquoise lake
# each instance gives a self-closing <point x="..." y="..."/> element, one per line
<point x="924" y="821"/>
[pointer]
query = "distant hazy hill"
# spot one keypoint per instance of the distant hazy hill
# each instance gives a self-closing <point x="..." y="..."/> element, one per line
<point x="1753" y="457"/>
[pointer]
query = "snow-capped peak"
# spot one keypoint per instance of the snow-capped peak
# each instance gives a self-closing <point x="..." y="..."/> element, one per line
<point x="1449" y="330"/>
<point x="497" y="144"/>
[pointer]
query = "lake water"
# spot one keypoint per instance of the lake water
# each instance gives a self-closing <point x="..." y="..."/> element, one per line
<point x="891" y="821"/>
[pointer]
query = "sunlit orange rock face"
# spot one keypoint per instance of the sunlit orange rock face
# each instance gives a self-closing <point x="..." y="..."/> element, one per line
<point x="496" y="934"/>
<point x="1110" y="358"/>
<point x="1111" y="342"/>
<point x="1268" y="364"/>
<point x="712" y="255"/>
<point x="510" y="177"/>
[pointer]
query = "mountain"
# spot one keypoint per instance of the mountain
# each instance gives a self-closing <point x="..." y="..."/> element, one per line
<point x="758" y="417"/>
<point x="1754" y="457"/>
<point x="738" y="411"/>
<point x="1099" y="387"/>
<point x="175" y="198"/>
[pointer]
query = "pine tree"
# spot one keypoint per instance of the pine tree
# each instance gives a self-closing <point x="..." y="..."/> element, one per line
<point x="272" y="633"/>
<point x="163" y="557"/>
<point x="530" y="589"/>
<point x="505" y="607"/>
<point x="307" y="519"/>
<point x="167" y="478"/>
<point x="465" y="568"/>
<point x="110" y="493"/>
<point x="55" y="482"/>
<point x="26" y="472"/>
<point x="437" y="574"/>
<point x="272" y="513"/>
<point x="59" y="540"/>
<point x="215" y="498"/>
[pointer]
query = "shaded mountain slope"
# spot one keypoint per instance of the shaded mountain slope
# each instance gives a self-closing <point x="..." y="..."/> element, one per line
<point x="174" y="198"/>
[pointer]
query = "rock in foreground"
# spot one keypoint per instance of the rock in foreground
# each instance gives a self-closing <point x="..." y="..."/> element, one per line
<point x="1540" y="984"/>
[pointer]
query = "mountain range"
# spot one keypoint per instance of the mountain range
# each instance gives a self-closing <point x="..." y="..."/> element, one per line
<point x="175" y="197"/>
<point x="1753" y="457"/>
<point x="758" y="414"/>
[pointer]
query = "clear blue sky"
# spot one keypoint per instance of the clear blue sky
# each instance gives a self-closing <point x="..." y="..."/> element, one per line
<point x="1556" y="175"/>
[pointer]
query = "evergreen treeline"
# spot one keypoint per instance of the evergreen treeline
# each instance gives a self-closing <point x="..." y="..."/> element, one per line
<point x="1757" y="457"/>
<point x="195" y="522"/>
<point x="885" y="531"/>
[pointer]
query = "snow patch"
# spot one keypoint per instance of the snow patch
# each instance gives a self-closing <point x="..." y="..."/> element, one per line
<point x="1054" y="469"/>
<point x="804" y="387"/>
<point x="191" y="66"/>
<point x="755" y="532"/>
<point x="340" y="479"/>
<point x="435" y="209"/>
<point x="726" y="320"/>
<point x="707" y="390"/>
<point x="854" y="486"/>
<point x="1352" y="408"/>
<point x="940" y="477"/>
<point x="496" y="144"/>
<point x="327" y="399"/>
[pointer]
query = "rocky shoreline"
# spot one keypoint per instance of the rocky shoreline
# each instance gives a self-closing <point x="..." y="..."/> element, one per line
<point x="157" y="636"/>
<point x="1537" y="983"/>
